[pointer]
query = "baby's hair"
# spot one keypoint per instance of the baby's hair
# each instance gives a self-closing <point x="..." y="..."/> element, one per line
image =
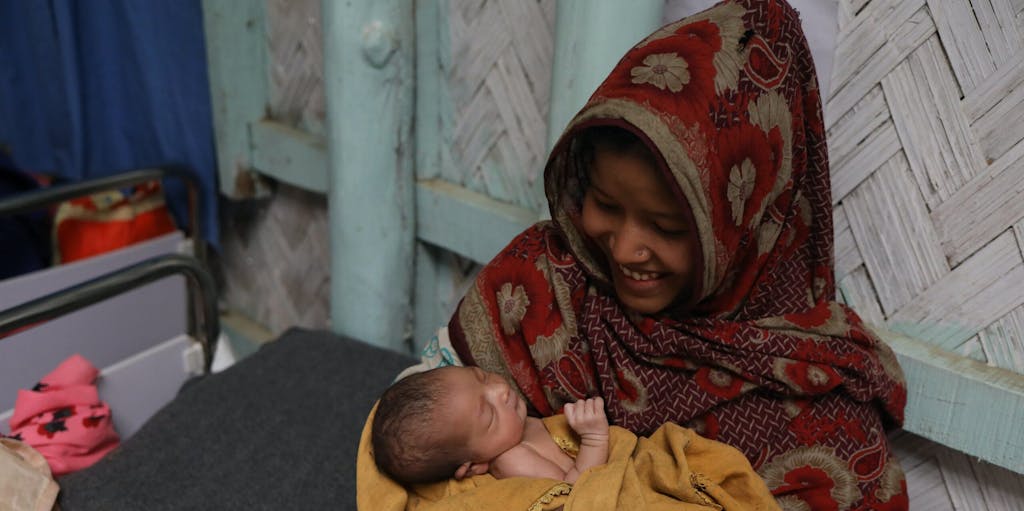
<point x="406" y="445"/>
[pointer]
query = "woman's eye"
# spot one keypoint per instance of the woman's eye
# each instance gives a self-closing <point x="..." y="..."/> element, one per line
<point x="671" y="231"/>
<point x="607" y="206"/>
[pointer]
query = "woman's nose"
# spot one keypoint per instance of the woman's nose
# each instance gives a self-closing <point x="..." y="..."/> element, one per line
<point x="627" y="246"/>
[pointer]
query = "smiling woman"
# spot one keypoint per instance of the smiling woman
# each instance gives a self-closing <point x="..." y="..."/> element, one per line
<point x="687" y="274"/>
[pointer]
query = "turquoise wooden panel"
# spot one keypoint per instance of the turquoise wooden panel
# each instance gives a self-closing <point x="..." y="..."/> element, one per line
<point x="236" y="62"/>
<point x="290" y="155"/>
<point x="962" y="403"/>
<point x="369" y="55"/>
<point x="431" y="272"/>
<point x="468" y="223"/>
<point x="428" y="88"/>
<point x="427" y="314"/>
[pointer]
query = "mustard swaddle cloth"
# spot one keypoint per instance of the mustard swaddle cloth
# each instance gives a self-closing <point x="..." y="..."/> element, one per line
<point x="674" y="469"/>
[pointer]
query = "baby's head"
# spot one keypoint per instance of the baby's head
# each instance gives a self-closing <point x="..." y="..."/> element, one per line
<point x="446" y="422"/>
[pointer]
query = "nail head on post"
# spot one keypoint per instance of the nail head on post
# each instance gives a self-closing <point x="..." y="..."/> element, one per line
<point x="379" y="43"/>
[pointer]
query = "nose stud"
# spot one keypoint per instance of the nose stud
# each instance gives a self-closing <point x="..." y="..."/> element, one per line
<point x="642" y="252"/>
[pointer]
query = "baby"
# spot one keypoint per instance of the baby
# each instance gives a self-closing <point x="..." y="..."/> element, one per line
<point x="463" y="421"/>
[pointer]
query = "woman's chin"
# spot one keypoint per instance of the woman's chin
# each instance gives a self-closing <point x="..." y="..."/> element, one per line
<point x="643" y="296"/>
<point x="641" y="304"/>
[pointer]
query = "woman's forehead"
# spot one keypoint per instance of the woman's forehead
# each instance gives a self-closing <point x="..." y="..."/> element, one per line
<point x="629" y="177"/>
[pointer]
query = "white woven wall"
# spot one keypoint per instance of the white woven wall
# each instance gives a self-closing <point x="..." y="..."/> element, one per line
<point x="928" y="176"/>
<point x="496" y="60"/>
<point x="295" y="54"/>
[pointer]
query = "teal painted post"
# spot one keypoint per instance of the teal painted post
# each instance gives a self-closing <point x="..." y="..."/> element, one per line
<point x="369" y="54"/>
<point x="590" y="37"/>
<point x="427" y="314"/>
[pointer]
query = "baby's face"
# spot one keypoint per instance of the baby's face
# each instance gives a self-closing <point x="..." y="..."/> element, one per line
<point x="484" y="410"/>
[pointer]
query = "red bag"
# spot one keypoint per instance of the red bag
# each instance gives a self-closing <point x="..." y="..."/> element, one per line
<point x="106" y="221"/>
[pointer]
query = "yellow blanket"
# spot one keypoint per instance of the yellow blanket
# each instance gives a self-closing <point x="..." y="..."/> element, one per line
<point x="672" y="469"/>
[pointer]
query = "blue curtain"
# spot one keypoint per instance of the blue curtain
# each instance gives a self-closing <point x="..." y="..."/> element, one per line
<point x="90" y="88"/>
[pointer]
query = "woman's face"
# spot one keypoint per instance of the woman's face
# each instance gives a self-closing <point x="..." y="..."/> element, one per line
<point x="630" y="212"/>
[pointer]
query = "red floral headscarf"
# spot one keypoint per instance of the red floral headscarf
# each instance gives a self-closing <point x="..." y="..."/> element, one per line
<point x="766" y="360"/>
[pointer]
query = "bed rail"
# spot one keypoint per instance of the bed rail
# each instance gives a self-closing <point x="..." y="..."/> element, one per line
<point x="37" y="199"/>
<point x="203" y="293"/>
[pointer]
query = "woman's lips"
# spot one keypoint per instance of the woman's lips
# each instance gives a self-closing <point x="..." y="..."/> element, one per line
<point x="639" y="275"/>
<point x="639" y="282"/>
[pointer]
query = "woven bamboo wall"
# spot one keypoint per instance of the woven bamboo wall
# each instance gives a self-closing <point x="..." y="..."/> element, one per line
<point x="497" y="66"/>
<point x="928" y="179"/>
<point x="295" y="53"/>
<point x="276" y="259"/>
<point x="495" y="61"/>
<point x="927" y="169"/>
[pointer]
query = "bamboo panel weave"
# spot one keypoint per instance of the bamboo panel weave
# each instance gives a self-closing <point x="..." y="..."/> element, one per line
<point x="277" y="259"/>
<point x="926" y="144"/>
<point x="496" y="63"/>
<point x="295" y="58"/>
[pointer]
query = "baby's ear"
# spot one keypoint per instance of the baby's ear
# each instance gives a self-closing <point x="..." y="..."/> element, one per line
<point x="469" y="469"/>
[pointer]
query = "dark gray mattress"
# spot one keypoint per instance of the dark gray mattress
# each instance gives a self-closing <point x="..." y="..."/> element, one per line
<point x="278" y="430"/>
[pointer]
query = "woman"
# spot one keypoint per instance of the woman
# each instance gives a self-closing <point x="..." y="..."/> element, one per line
<point x="687" y="274"/>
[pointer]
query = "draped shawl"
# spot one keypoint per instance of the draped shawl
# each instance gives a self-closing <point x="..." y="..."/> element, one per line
<point x="767" y="360"/>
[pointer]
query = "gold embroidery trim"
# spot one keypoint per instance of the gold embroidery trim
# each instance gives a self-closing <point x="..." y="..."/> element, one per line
<point x="567" y="446"/>
<point x="699" y="483"/>
<point x="557" y="490"/>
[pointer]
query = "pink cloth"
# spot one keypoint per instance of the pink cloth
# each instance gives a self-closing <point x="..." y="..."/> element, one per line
<point x="64" y="419"/>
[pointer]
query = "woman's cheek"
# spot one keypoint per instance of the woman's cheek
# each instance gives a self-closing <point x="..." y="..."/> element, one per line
<point x="590" y="219"/>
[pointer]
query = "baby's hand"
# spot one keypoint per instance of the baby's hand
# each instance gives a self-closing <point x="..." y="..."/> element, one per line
<point x="587" y="417"/>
